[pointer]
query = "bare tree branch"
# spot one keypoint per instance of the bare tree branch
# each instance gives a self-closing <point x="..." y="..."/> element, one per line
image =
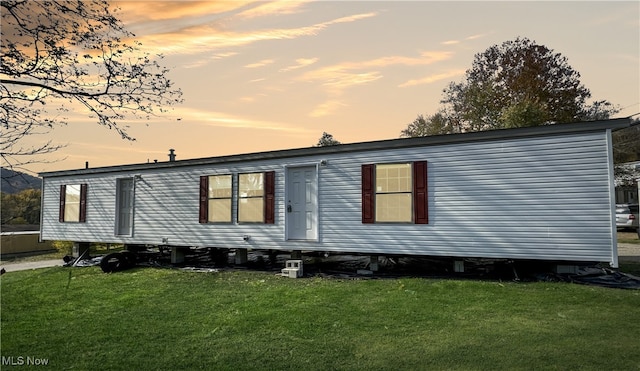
<point x="55" y="53"/>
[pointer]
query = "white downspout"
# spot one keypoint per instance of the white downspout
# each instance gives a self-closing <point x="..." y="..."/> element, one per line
<point x="41" y="211"/>
<point x="612" y="197"/>
<point x="638" y="198"/>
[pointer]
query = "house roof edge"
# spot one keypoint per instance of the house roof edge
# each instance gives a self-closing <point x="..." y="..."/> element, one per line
<point x="545" y="130"/>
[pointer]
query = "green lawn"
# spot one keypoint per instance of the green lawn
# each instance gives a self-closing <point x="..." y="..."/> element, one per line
<point x="163" y="319"/>
<point x="628" y="237"/>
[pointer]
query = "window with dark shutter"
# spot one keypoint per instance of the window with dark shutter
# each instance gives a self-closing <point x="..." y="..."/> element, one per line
<point x="73" y="203"/>
<point x="395" y="193"/>
<point x="255" y="198"/>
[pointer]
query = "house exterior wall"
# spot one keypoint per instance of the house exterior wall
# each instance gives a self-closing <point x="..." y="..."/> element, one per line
<point x="539" y="197"/>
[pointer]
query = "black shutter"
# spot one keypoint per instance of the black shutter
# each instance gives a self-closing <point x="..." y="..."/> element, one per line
<point x="368" y="194"/>
<point x="83" y="203"/>
<point x="63" y="195"/>
<point x="420" y="195"/>
<point x="269" y="197"/>
<point x="204" y="199"/>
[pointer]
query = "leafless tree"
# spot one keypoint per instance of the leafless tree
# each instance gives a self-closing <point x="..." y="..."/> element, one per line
<point x="60" y="55"/>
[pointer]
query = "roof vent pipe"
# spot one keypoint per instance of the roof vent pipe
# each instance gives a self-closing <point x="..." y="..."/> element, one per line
<point x="172" y="155"/>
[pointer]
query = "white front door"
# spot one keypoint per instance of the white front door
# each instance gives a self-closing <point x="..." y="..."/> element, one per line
<point x="124" y="207"/>
<point x="302" y="203"/>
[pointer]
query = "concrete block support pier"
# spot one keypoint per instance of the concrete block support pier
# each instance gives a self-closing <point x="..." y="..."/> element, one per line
<point x="81" y="249"/>
<point x="241" y="256"/>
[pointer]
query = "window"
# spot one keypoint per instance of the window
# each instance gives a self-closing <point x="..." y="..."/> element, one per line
<point x="125" y="206"/>
<point x="255" y="198"/>
<point x="73" y="203"/>
<point x="219" y="198"/>
<point x="394" y="193"/>
<point x="251" y="198"/>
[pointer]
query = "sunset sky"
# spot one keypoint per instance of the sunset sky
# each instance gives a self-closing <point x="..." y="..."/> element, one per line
<point x="260" y="76"/>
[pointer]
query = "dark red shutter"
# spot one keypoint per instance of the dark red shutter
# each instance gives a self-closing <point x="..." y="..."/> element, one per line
<point x="204" y="199"/>
<point x="63" y="195"/>
<point x="83" y="203"/>
<point x="420" y="195"/>
<point x="269" y="197"/>
<point x="368" y="194"/>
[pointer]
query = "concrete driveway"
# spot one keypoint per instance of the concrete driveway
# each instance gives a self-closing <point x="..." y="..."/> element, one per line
<point x="21" y="266"/>
<point x="628" y="252"/>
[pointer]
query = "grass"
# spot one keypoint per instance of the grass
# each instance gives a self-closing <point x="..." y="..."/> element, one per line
<point x="151" y="319"/>
<point x="627" y="236"/>
<point x="629" y="267"/>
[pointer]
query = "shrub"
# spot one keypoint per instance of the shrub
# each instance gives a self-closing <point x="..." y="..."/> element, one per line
<point x="64" y="247"/>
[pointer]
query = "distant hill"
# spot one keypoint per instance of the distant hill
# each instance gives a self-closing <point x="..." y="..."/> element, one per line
<point x="15" y="181"/>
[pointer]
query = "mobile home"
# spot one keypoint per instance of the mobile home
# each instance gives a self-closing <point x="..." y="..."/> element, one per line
<point x="541" y="193"/>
